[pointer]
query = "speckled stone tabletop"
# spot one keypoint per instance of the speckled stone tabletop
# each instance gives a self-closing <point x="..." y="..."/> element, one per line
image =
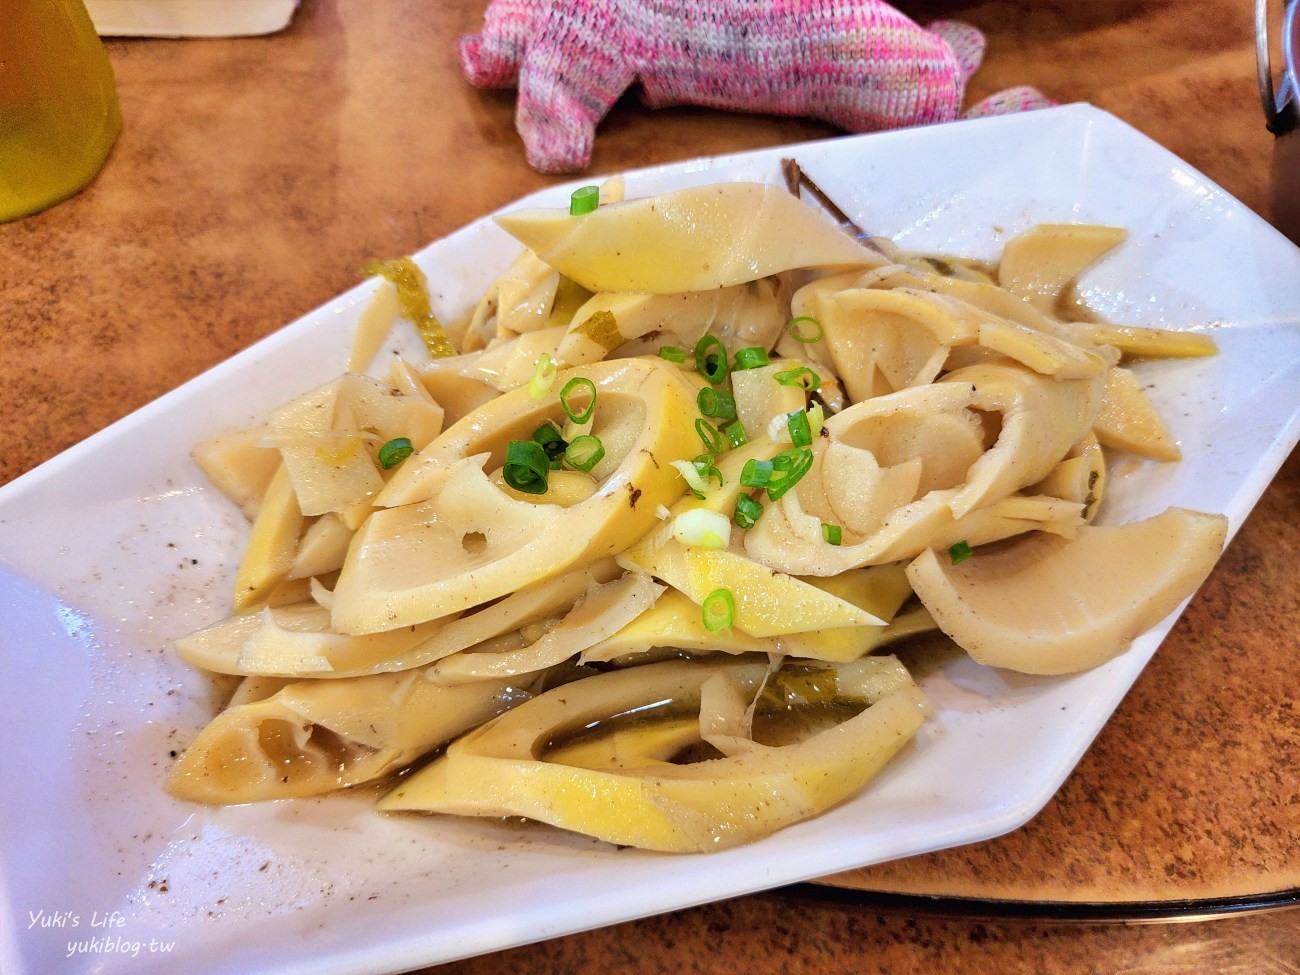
<point x="255" y="176"/>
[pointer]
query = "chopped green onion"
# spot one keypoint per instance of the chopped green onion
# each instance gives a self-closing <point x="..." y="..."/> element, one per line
<point x="584" y="200"/>
<point x="527" y="466"/>
<point x="718" y="611"/>
<point x="584" y="453"/>
<point x="552" y="441"/>
<point x="394" y="452"/>
<point x="543" y="376"/>
<point x="788" y="467"/>
<point x="672" y="354"/>
<point x="751" y="358"/>
<point x="800" y="432"/>
<point x="747" y="511"/>
<point x="833" y="534"/>
<point x="735" y="434"/>
<point x="712" y="438"/>
<point x="702" y="528"/>
<point x="959" y="552"/>
<point x="691" y="475"/>
<point x="756" y="473"/>
<point x="816" y="418"/>
<point x="811" y="332"/>
<point x="704" y="464"/>
<point x="717" y="403"/>
<point x="578" y="384"/>
<point x="799" y="376"/>
<point x="711" y="359"/>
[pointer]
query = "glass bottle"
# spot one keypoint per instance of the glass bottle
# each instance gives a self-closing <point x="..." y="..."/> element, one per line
<point x="59" y="113"/>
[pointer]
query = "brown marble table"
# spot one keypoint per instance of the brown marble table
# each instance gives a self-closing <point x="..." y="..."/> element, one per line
<point x="255" y="176"/>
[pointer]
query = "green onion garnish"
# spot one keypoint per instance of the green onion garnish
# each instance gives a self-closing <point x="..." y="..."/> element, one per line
<point x="552" y="441"/>
<point x="751" y="357"/>
<point x="527" y="466"/>
<point x="543" y="376"/>
<point x="833" y="534"/>
<point x="394" y="452"/>
<point x="787" y="468"/>
<point x="735" y="434"/>
<point x="959" y="552"/>
<point x="718" y="610"/>
<point x="747" y="511"/>
<point x="799" y="376"/>
<point x="704" y="465"/>
<point x="702" y="528"/>
<point x="584" y="200"/>
<point x="756" y="473"/>
<point x="804" y="329"/>
<point x="672" y="354"/>
<point x="816" y="419"/>
<point x="800" y="432"/>
<point x="578" y="384"/>
<point x="711" y="436"/>
<point x="717" y="403"/>
<point x="584" y="453"/>
<point x="691" y="475"/>
<point x="711" y="359"/>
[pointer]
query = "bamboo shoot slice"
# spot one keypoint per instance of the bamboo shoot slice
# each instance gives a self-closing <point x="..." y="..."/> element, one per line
<point x="598" y="613"/>
<point x="501" y="769"/>
<point x="1042" y="418"/>
<point x="272" y="545"/>
<point x="311" y="737"/>
<point x="1128" y="421"/>
<point x="694" y="239"/>
<point x="767" y="603"/>
<point x="1041" y="263"/>
<point x="470" y="542"/>
<point x="239" y="466"/>
<point x="1045" y="605"/>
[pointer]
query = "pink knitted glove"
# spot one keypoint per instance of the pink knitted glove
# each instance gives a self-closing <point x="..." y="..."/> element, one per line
<point x="859" y="64"/>
<point x="1020" y="99"/>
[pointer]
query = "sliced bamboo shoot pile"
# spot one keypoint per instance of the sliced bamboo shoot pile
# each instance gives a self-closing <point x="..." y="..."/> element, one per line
<point x="1047" y="605"/>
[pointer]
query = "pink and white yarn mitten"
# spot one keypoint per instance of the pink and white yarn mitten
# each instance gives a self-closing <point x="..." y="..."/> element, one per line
<point x="859" y="64"/>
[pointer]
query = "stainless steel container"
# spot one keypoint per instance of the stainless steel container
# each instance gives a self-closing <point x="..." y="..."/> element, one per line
<point x="1282" y="109"/>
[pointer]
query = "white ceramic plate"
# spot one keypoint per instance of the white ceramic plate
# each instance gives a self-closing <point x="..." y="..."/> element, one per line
<point x="117" y="546"/>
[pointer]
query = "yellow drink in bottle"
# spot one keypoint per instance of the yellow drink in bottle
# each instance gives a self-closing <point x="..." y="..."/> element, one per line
<point x="58" y="103"/>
